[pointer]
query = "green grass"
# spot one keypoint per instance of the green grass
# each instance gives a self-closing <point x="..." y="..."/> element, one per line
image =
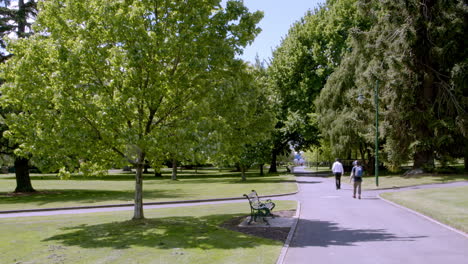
<point x="119" y="188"/>
<point x="394" y="181"/>
<point x="447" y="205"/>
<point x="319" y="169"/>
<point x="170" y="235"/>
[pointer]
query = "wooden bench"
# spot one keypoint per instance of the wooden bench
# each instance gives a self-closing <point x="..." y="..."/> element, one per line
<point x="259" y="208"/>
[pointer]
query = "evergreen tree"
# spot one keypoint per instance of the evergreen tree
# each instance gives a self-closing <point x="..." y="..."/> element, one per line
<point x="416" y="51"/>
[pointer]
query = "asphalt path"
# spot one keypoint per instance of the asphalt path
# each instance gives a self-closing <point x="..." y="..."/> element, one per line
<point x="335" y="228"/>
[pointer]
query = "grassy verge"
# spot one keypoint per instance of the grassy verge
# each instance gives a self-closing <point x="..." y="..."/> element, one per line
<point x="447" y="205"/>
<point x="318" y="169"/>
<point x="394" y="181"/>
<point x="170" y="235"/>
<point x="117" y="189"/>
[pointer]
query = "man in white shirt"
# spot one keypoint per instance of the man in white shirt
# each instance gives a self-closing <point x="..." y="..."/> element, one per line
<point x="337" y="170"/>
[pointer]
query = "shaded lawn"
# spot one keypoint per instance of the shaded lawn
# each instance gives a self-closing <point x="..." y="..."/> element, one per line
<point x="393" y="181"/>
<point x="92" y="191"/>
<point x="447" y="205"/>
<point x="169" y="235"/>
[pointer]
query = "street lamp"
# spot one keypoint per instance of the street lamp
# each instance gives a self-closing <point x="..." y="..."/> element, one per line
<point x="361" y="99"/>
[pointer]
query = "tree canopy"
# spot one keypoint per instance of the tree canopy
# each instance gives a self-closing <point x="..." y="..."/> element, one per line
<point x="415" y="50"/>
<point x="113" y="79"/>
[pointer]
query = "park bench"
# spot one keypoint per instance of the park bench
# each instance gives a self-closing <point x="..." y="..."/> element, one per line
<point x="259" y="208"/>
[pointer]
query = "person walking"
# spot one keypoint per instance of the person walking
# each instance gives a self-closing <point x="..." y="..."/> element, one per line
<point x="356" y="175"/>
<point x="337" y="169"/>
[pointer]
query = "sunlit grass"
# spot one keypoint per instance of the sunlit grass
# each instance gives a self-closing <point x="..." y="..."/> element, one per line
<point x="395" y="181"/>
<point x="119" y="189"/>
<point x="170" y="235"/>
<point x="447" y="205"/>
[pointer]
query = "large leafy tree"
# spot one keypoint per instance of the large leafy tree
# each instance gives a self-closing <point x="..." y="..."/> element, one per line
<point x="15" y="21"/>
<point x="416" y="51"/>
<point x="300" y="67"/>
<point x="112" y="77"/>
<point x="242" y="115"/>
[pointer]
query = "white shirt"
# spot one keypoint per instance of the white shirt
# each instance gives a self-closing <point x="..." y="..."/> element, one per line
<point x="337" y="167"/>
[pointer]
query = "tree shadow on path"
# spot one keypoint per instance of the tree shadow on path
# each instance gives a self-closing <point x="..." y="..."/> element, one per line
<point x="324" y="234"/>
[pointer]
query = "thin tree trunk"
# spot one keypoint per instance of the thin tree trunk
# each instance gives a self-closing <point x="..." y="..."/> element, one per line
<point x="23" y="181"/>
<point x="242" y="168"/>
<point x="146" y="167"/>
<point x="273" y="168"/>
<point x="261" y="169"/>
<point x="138" y="211"/>
<point x="174" y="170"/>
<point x="21" y="19"/>
<point x="157" y="173"/>
<point x="465" y="154"/>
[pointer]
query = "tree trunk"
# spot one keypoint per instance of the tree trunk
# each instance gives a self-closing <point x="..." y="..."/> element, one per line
<point x="466" y="156"/>
<point x="423" y="160"/>
<point x="466" y="162"/>
<point x="242" y="168"/>
<point x="273" y="168"/>
<point x="146" y="167"/>
<point x="22" y="17"/>
<point x="138" y="211"/>
<point x="23" y="181"/>
<point x="261" y="169"/>
<point x="174" y="170"/>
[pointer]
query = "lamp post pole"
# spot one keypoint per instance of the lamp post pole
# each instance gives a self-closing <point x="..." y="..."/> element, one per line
<point x="376" y="98"/>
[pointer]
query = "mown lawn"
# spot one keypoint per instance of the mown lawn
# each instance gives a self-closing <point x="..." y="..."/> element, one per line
<point x="119" y="189"/>
<point x="170" y="235"/>
<point x="447" y="205"/>
<point x="394" y="181"/>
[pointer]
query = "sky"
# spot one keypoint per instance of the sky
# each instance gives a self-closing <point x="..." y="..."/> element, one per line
<point x="278" y="17"/>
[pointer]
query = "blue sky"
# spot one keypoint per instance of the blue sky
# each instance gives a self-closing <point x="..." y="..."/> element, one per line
<point x="279" y="15"/>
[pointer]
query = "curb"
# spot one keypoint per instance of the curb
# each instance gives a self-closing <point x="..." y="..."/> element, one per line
<point x="424" y="216"/>
<point x="131" y="204"/>
<point x="285" y="248"/>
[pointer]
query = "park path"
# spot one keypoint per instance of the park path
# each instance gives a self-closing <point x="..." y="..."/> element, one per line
<point x="335" y="228"/>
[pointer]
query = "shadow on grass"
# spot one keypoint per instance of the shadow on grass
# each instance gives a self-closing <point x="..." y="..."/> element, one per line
<point x="163" y="233"/>
<point x="326" y="233"/>
<point x="82" y="196"/>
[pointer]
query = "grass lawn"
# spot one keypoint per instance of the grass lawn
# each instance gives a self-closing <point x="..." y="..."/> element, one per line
<point x="318" y="169"/>
<point x="170" y="235"/>
<point x="119" y="188"/>
<point x="447" y="205"/>
<point x="392" y="181"/>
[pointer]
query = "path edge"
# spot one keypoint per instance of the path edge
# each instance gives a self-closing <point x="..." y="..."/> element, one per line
<point x="285" y="248"/>
<point x="144" y="204"/>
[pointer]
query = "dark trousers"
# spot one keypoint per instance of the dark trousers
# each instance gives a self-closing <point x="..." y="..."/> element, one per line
<point x="338" y="180"/>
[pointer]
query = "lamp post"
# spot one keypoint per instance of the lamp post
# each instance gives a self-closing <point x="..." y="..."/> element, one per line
<point x="376" y="100"/>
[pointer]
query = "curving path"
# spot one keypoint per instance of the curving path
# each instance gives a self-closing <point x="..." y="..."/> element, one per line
<point x="335" y="228"/>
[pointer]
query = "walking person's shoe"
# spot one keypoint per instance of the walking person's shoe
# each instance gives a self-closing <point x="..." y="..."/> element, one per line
<point x="359" y="197"/>
<point x="354" y="196"/>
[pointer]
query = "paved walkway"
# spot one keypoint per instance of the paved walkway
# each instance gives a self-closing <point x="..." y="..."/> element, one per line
<point x="335" y="228"/>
